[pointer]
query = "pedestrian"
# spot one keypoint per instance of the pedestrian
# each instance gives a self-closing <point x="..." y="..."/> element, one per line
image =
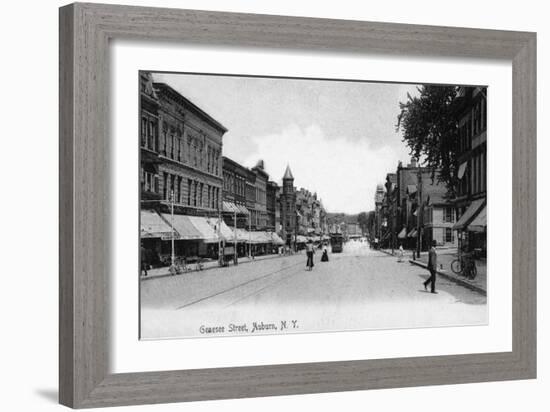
<point x="324" y="257"/>
<point x="432" y="267"/>
<point x="309" y="252"/>
<point x="144" y="260"/>
<point x="400" y="254"/>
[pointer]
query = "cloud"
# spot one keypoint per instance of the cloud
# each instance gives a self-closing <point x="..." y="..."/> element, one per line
<point x="344" y="173"/>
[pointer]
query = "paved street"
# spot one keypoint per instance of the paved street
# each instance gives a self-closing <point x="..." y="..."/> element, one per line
<point x="357" y="289"/>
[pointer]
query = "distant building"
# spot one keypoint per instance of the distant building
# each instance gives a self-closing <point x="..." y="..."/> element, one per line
<point x="288" y="208"/>
<point x="234" y="209"/>
<point x="439" y="216"/>
<point x="273" y="209"/>
<point x="353" y="230"/>
<point x="378" y="203"/>
<point x="260" y="215"/>
<point x="251" y="199"/>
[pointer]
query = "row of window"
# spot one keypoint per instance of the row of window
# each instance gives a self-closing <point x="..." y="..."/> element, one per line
<point x="448" y="215"/>
<point x="475" y="123"/>
<point x="258" y="218"/>
<point x="149" y="181"/>
<point x="149" y="132"/>
<point x="261" y="196"/>
<point x="475" y="178"/>
<point x="234" y="184"/>
<point x="198" y="193"/>
<point x="174" y="145"/>
<point x="449" y="235"/>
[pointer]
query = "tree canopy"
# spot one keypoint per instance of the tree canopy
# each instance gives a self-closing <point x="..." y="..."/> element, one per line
<point x="429" y="126"/>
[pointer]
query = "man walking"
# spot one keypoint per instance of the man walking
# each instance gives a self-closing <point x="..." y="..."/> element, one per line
<point x="432" y="267"/>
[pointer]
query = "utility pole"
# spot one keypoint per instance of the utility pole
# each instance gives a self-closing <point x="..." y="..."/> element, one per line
<point x="420" y="212"/>
<point x="235" y="237"/>
<point x="249" y="234"/>
<point x="220" y="246"/>
<point x="173" y="253"/>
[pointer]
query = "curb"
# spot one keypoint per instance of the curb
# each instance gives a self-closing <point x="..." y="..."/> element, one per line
<point x="455" y="279"/>
<point x="167" y="275"/>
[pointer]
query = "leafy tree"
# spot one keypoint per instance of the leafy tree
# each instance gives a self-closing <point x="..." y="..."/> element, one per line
<point x="363" y="220"/>
<point x="429" y="125"/>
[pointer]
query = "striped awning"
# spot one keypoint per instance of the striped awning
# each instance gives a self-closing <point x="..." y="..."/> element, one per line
<point x="152" y="225"/>
<point x="230" y="207"/>
<point x="403" y="233"/>
<point x="479" y="224"/>
<point x="202" y="224"/>
<point x="469" y="214"/>
<point x="276" y="239"/>
<point x="185" y="229"/>
<point x="462" y="170"/>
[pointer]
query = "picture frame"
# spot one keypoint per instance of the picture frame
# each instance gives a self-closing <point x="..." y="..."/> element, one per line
<point x="85" y="33"/>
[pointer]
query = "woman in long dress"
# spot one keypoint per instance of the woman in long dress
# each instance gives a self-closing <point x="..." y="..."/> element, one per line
<point x="324" y="257"/>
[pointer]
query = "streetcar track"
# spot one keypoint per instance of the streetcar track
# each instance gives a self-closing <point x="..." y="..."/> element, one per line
<point x="237" y="286"/>
<point x="257" y="291"/>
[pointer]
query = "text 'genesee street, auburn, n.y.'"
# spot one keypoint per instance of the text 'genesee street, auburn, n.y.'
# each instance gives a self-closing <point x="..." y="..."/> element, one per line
<point x="245" y="328"/>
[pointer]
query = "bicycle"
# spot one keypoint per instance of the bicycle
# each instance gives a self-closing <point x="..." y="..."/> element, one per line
<point x="179" y="267"/>
<point x="464" y="265"/>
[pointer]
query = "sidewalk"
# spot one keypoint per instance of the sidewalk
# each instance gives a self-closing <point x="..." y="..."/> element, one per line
<point x="444" y="259"/>
<point x="206" y="265"/>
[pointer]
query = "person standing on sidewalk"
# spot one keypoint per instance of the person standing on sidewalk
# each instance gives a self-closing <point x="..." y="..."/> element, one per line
<point x="432" y="267"/>
<point x="400" y="254"/>
<point x="144" y="261"/>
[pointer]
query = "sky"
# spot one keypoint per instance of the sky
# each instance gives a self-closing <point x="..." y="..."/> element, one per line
<point x="338" y="137"/>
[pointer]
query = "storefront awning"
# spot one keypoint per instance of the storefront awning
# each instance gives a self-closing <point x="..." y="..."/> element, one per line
<point x="152" y="225"/>
<point x="183" y="226"/>
<point x="469" y="214"/>
<point x="479" y="224"/>
<point x="462" y="170"/>
<point x="243" y="236"/>
<point x="208" y="234"/>
<point x="301" y="239"/>
<point x="230" y="207"/>
<point x="412" y="233"/>
<point x="403" y="233"/>
<point x="276" y="239"/>
<point x="243" y="210"/>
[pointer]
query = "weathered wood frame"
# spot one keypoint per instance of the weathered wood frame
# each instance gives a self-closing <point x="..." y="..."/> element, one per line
<point x="85" y="31"/>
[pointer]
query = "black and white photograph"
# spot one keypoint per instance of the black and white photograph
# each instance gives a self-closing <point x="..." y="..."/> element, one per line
<point x="272" y="205"/>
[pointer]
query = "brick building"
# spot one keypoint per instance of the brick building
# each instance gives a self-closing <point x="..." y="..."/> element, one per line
<point x="288" y="209"/>
<point x="234" y="209"/>
<point x="260" y="187"/>
<point x="273" y="209"/>
<point x="180" y="166"/>
<point x="190" y="148"/>
<point x="251" y="198"/>
<point x="471" y="198"/>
